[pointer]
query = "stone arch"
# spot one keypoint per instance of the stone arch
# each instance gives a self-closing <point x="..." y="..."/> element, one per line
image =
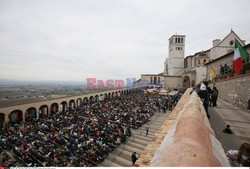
<point x="186" y="82"/>
<point x="30" y="113"/>
<point x="91" y="99"/>
<point x="155" y="80"/>
<point x="78" y="102"/>
<point x="16" y="116"/>
<point x="54" y="108"/>
<point x="2" y="119"/>
<point x="72" y="104"/>
<point x="96" y="98"/>
<point x="85" y="101"/>
<point x="43" y="111"/>
<point x="63" y="106"/>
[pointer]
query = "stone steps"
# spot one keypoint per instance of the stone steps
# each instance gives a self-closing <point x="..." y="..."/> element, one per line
<point x="155" y="124"/>
<point x="136" y="145"/>
<point x="121" y="156"/>
<point x="143" y="133"/>
<point x="131" y="148"/>
<point x="152" y="127"/>
<point x="150" y="130"/>
<point x="123" y="153"/>
<point x="158" y="118"/>
<point x="119" y="160"/>
<point x="108" y="163"/>
<point x="157" y="121"/>
<point x="140" y="141"/>
<point x="143" y="137"/>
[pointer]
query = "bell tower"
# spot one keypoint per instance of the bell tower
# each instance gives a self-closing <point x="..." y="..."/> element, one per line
<point x="176" y="54"/>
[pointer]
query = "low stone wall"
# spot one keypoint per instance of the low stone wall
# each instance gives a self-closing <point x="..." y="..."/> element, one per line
<point x="235" y="90"/>
<point x="185" y="139"/>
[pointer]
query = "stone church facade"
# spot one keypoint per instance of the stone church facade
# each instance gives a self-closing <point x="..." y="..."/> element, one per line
<point x="183" y="72"/>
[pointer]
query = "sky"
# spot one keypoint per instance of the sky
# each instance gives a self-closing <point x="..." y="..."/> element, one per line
<point x="71" y="40"/>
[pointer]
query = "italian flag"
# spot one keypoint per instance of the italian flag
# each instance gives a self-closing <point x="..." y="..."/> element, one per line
<point x="239" y="55"/>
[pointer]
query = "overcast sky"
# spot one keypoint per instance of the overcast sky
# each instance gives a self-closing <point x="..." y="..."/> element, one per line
<point x="108" y="39"/>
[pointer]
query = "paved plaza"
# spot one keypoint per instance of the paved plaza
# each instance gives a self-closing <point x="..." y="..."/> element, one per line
<point x="239" y="120"/>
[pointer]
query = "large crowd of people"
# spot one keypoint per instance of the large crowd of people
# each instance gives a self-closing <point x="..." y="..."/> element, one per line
<point x="80" y="137"/>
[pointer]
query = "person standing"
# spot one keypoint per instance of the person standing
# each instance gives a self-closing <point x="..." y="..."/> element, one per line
<point x="203" y="94"/>
<point x="158" y="105"/>
<point x="147" y="128"/>
<point x="210" y="99"/>
<point x="215" y="95"/>
<point x="164" y="109"/>
<point x="133" y="158"/>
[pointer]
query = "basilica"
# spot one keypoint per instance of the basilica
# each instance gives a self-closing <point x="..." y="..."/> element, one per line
<point x="182" y="71"/>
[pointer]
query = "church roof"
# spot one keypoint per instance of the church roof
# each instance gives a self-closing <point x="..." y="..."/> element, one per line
<point x="160" y="74"/>
<point x="198" y="53"/>
<point x="228" y="35"/>
<point x="217" y="45"/>
<point x="177" y="35"/>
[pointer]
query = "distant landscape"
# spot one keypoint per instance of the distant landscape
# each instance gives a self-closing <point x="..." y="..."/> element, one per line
<point x="18" y="92"/>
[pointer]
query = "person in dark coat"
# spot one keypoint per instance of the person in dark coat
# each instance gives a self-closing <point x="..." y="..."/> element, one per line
<point x="215" y="95"/>
<point x="164" y="109"/>
<point x="133" y="158"/>
<point x="203" y="94"/>
<point x="227" y="130"/>
<point x="210" y="92"/>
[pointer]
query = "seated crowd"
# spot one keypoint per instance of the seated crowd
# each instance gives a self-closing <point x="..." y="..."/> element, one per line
<point x="80" y="137"/>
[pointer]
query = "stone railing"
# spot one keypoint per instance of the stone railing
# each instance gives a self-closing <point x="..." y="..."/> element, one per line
<point x="185" y="139"/>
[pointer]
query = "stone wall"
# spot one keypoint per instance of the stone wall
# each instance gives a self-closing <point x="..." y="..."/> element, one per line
<point x="186" y="139"/>
<point x="235" y="90"/>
